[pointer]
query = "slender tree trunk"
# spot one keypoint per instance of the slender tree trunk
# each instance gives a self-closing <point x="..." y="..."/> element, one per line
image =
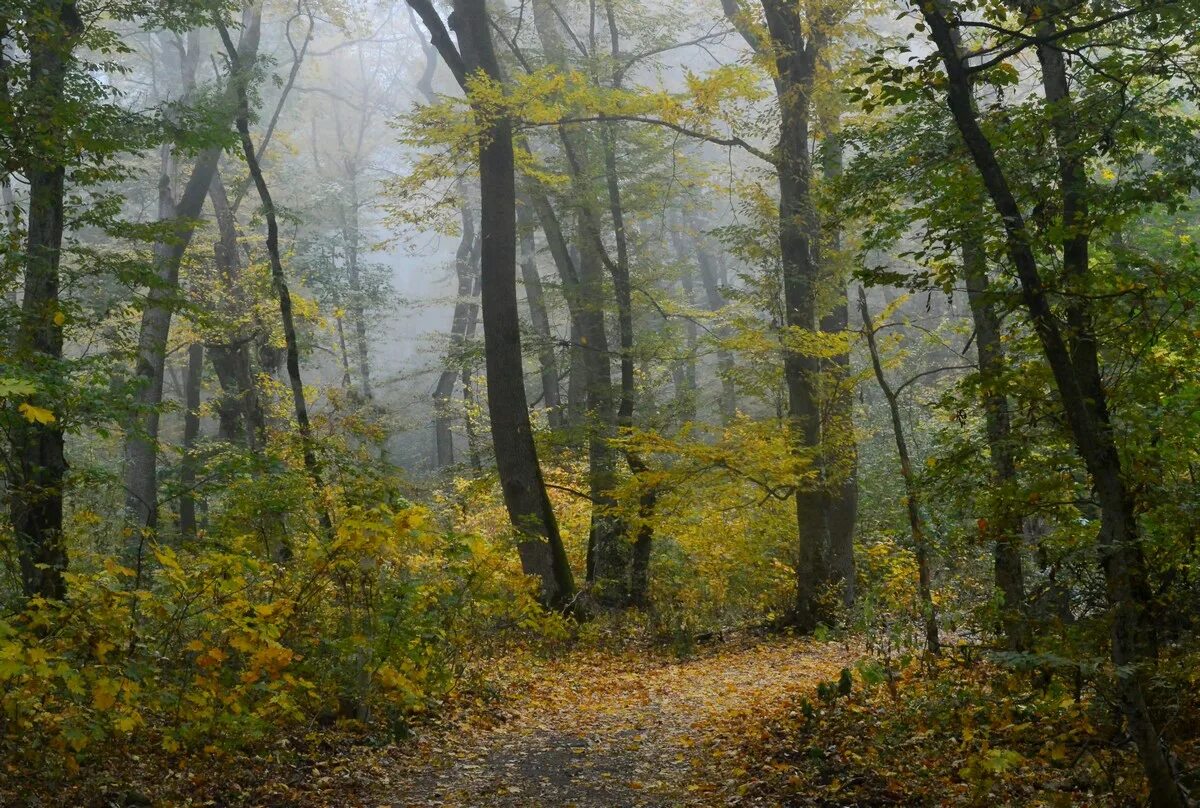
<point x="191" y="431"/>
<point x="683" y="371"/>
<point x="474" y="452"/>
<point x="912" y="495"/>
<point x="443" y="435"/>
<point x="540" y="546"/>
<point x="38" y="467"/>
<point x="715" y="300"/>
<point x="279" y="281"/>
<point x="1005" y="525"/>
<point x="566" y="261"/>
<point x="1085" y="405"/>
<point x="351" y="236"/>
<point x="343" y="351"/>
<point x="538" y="316"/>
<point x="141" y="441"/>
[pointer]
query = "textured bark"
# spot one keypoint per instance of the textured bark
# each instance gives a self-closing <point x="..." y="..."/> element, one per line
<point x="1075" y="369"/>
<point x="540" y="546"/>
<point x="37" y="471"/>
<point x="191" y="432"/>
<point x="912" y="495"/>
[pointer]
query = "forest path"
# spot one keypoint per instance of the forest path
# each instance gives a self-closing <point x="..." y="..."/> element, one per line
<point x="613" y="730"/>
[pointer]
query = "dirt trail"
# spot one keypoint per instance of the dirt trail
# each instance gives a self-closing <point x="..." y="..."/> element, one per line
<point x="612" y="731"/>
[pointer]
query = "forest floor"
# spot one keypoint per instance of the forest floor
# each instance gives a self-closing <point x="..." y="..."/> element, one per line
<point x="610" y="729"/>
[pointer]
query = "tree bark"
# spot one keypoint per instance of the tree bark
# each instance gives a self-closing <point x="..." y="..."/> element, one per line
<point x="540" y="545"/>
<point x="839" y="475"/>
<point x="38" y="467"/>
<point x="191" y="431"/>
<point x="1005" y="526"/>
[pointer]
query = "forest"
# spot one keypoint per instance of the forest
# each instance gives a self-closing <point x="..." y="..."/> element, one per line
<point x="599" y="403"/>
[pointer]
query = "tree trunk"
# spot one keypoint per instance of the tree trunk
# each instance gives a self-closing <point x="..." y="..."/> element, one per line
<point x="279" y="281"/>
<point x="839" y="474"/>
<point x="711" y="281"/>
<point x="141" y="440"/>
<point x="191" y="431"/>
<point x="538" y="316"/>
<point x="912" y="496"/>
<point x="683" y="371"/>
<point x="351" y="237"/>
<point x="240" y="408"/>
<point x="794" y="60"/>
<point x="540" y="546"/>
<point x="607" y="567"/>
<point x="37" y="469"/>
<point x="1004" y="528"/>
<point x="1085" y="405"/>
<point x="443" y="435"/>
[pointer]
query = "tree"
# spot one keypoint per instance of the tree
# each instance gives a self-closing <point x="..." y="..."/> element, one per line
<point x="529" y="507"/>
<point x="1070" y="347"/>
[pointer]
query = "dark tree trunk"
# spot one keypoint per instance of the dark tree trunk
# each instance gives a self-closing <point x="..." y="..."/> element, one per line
<point x="794" y="57"/>
<point x="841" y="493"/>
<point x="37" y="469"/>
<point x="239" y="408"/>
<point x="840" y="458"/>
<point x="1004" y="528"/>
<point x="279" y="280"/>
<point x="540" y="547"/>
<point x="191" y="432"/>
<point x="566" y="262"/>
<point x="912" y="495"/>
<point x="1085" y="404"/>
<point x="794" y="60"/>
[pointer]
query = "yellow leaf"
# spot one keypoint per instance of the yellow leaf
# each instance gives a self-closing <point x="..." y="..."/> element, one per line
<point x="36" y="415"/>
<point x="59" y="318"/>
<point x="104" y="694"/>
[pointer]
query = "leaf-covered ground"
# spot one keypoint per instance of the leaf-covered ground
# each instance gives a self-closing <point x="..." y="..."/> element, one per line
<point x="604" y="729"/>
